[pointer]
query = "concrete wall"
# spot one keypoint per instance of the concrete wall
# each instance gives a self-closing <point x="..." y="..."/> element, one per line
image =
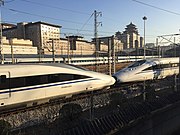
<point x="19" y="42"/>
<point x="19" y="46"/>
<point x="19" y="49"/>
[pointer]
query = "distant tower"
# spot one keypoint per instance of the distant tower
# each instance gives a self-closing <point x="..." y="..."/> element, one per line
<point x="130" y="37"/>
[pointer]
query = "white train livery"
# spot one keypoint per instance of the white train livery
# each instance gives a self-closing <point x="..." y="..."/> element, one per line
<point x="148" y="69"/>
<point x="28" y="84"/>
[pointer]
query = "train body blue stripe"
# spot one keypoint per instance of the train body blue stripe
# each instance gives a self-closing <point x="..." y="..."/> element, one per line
<point x="51" y="85"/>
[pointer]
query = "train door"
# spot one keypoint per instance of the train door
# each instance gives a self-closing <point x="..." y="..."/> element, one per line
<point x="5" y="85"/>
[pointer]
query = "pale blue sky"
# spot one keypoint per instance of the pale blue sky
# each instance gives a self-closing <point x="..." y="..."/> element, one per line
<point x="75" y="15"/>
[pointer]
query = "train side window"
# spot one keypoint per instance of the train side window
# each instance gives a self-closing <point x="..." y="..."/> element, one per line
<point x="66" y="77"/>
<point x="80" y="77"/>
<point x="138" y="63"/>
<point x="17" y="82"/>
<point x="32" y="80"/>
<point x="27" y="81"/>
<point x="3" y="78"/>
<point x="43" y="79"/>
<point x="53" y="78"/>
<point x="4" y="82"/>
<point x="37" y="80"/>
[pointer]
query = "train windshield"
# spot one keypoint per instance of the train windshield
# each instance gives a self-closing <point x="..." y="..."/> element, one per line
<point x="138" y="63"/>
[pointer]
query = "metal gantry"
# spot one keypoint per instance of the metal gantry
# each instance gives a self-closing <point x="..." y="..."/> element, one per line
<point x="169" y="39"/>
<point x="96" y="43"/>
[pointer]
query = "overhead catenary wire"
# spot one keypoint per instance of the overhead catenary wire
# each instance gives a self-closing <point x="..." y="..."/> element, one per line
<point x="59" y="8"/>
<point x="85" y="24"/>
<point x="23" y="12"/>
<point x="50" y="6"/>
<point x="85" y="34"/>
<point x="47" y="5"/>
<point x="172" y="12"/>
<point x="64" y="9"/>
<point x="8" y="1"/>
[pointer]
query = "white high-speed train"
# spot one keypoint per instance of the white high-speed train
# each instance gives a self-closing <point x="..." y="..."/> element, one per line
<point x="148" y="69"/>
<point x="76" y="60"/>
<point x="29" y="84"/>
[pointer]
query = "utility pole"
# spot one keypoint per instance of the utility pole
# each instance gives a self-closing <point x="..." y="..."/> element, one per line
<point x="53" y="51"/>
<point x="109" y="55"/>
<point x="144" y="18"/>
<point x="96" y="14"/>
<point x="113" y="55"/>
<point x="175" y="83"/>
<point x="12" y="52"/>
<point x="40" y="52"/>
<point x="174" y="46"/>
<point x="96" y="24"/>
<point x="68" y="44"/>
<point x="1" y="44"/>
<point x="158" y="48"/>
<point x="179" y="75"/>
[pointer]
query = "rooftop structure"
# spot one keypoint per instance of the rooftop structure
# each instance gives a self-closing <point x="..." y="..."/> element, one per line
<point x="130" y="37"/>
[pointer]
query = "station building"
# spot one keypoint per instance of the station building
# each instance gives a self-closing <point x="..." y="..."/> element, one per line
<point x="46" y="37"/>
<point x="130" y="37"/>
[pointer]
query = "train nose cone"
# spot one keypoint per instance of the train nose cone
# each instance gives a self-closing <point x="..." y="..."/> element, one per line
<point x="110" y="80"/>
<point x="119" y="77"/>
<point x="113" y="80"/>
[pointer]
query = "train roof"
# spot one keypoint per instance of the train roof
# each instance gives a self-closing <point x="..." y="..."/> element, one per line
<point x="154" y="61"/>
<point x="17" y="70"/>
<point x="164" y="60"/>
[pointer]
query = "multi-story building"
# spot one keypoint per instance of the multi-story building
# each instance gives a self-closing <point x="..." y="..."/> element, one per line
<point x="79" y="46"/>
<point x="72" y="45"/>
<point x="17" y="46"/>
<point x="46" y="37"/>
<point x="41" y="33"/>
<point x="130" y="37"/>
<point x="7" y="25"/>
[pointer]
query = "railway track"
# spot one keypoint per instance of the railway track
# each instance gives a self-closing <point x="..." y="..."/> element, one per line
<point x="62" y="100"/>
<point x="48" y="112"/>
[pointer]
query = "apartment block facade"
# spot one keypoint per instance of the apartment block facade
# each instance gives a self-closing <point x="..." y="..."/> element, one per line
<point x="46" y="37"/>
<point x="40" y="33"/>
